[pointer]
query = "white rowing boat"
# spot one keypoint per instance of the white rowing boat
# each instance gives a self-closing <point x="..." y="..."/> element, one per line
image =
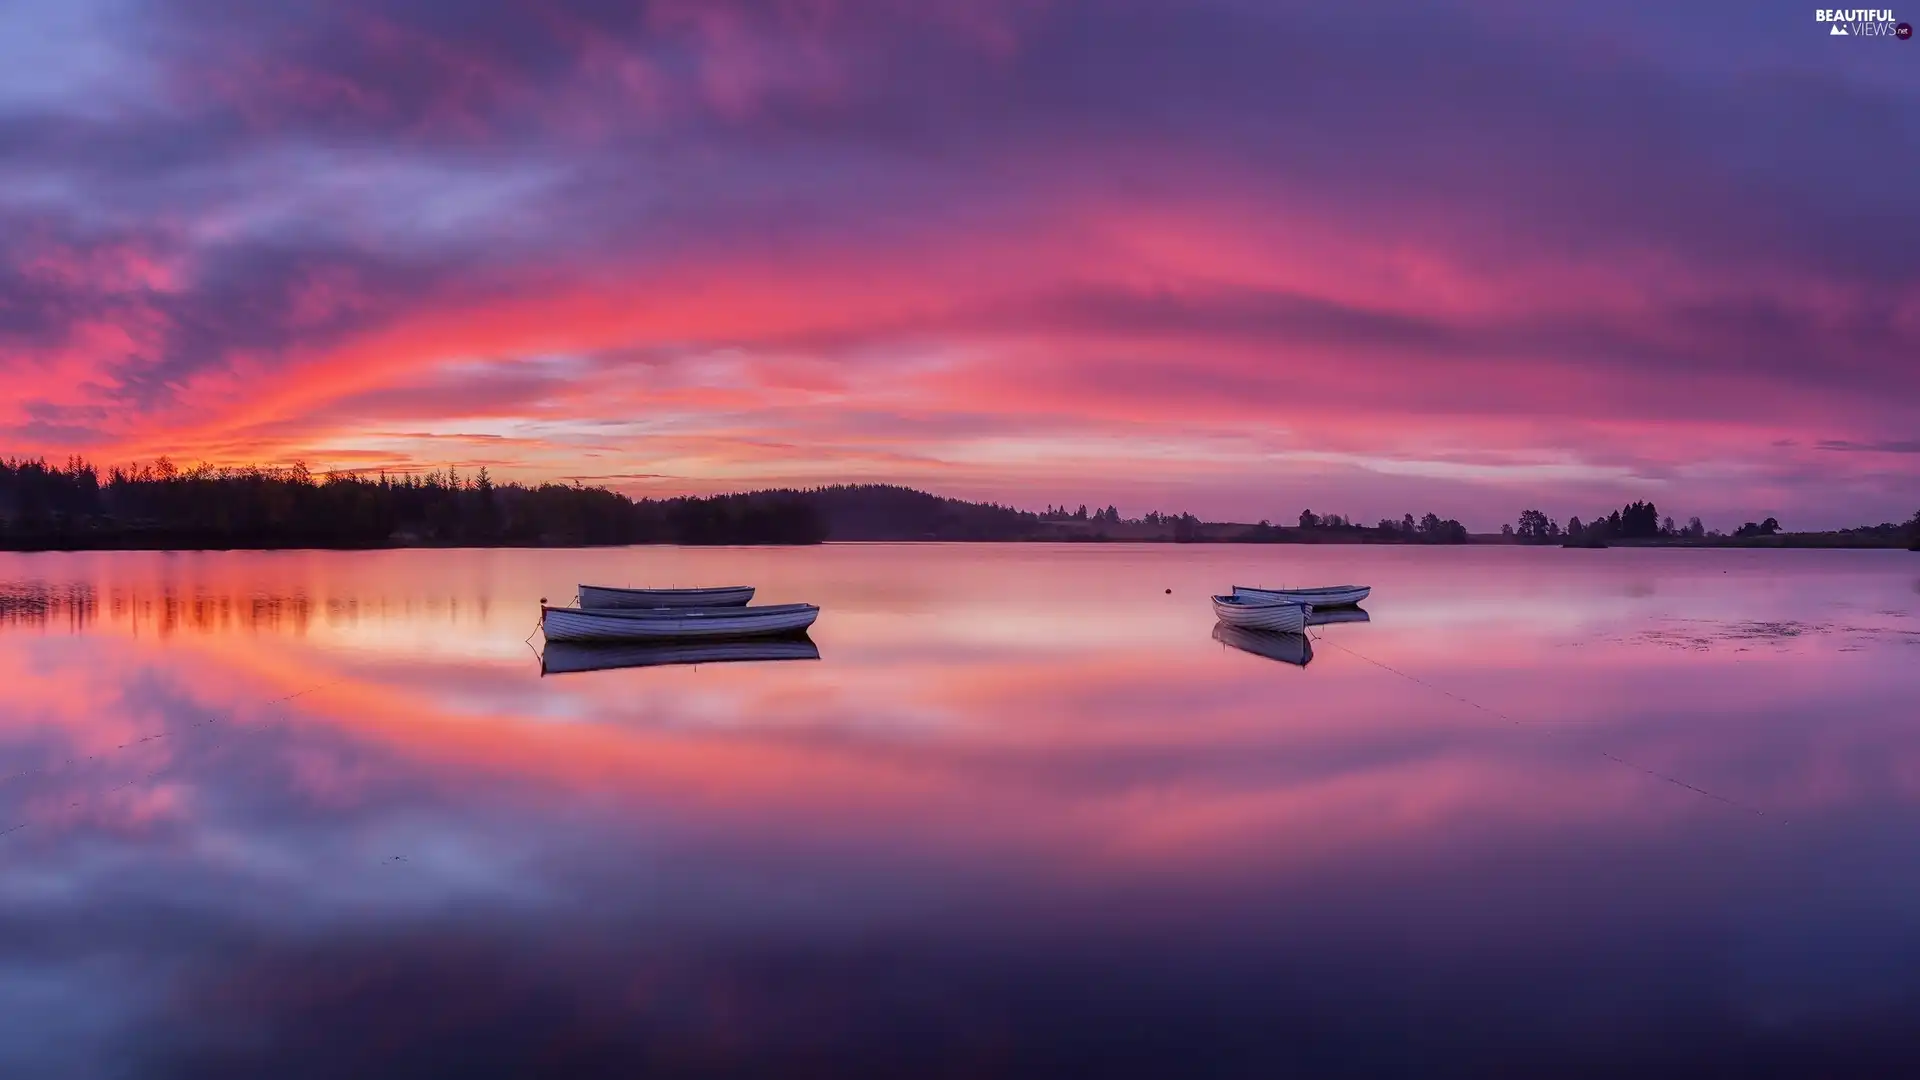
<point x="1295" y="649"/>
<point x="671" y="624"/>
<point x="1326" y="596"/>
<point x="566" y="657"/>
<point x="602" y="597"/>
<point x="1255" y="614"/>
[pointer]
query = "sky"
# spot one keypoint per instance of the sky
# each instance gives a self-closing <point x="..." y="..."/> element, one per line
<point x="1232" y="257"/>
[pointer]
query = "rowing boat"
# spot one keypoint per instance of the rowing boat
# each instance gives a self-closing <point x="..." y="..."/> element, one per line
<point x="670" y="624"/>
<point x="1325" y="596"/>
<point x="1256" y="614"/>
<point x="602" y="597"/>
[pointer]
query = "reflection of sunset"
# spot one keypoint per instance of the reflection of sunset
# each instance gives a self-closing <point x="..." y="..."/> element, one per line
<point x="1023" y="749"/>
<point x="1139" y="742"/>
<point x="1644" y="805"/>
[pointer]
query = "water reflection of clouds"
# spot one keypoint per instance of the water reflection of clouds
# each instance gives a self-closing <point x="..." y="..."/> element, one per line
<point x="717" y="862"/>
<point x="1205" y="761"/>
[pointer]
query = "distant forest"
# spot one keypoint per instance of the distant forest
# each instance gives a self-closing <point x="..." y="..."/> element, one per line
<point x="76" y="506"/>
<point x="1642" y="523"/>
<point x="161" y="506"/>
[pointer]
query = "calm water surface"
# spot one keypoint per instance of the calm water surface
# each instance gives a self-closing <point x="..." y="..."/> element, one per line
<point x="1546" y="813"/>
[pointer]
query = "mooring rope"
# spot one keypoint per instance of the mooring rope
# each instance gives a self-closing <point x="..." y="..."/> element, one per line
<point x="1546" y="725"/>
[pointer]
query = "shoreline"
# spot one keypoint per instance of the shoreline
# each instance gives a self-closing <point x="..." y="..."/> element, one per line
<point x="1793" y="542"/>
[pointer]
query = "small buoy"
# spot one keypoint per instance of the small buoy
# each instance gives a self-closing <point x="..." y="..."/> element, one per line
<point x="543" y="601"/>
<point x="1169" y="592"/>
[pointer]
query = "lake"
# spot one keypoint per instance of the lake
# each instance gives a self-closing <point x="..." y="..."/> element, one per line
<point x="1547" y="812"/>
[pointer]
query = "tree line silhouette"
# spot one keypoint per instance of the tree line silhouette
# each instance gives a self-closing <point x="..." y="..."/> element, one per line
<point x="163" y="506"/>
<point x="1643" y="521"/>
<point x="75" y="505"/>
<point x="1635" y="521"/>
<point x="159" y="505"/>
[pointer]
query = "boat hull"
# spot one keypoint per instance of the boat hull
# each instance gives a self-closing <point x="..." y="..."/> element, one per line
<point x="1280" y="617"/>
<point x="566" y="657"/>
<point x="1295" y="649"/>
<point x="1331" y="596"/>
<point x="606" y="597"/>
<point x="668" y="624"/>
<point x="1319" y="617"/>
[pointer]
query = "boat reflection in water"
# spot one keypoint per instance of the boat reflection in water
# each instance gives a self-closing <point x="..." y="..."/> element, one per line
<point x="1292" y="649"/>
<point x="1318" y="617"/>
<point x="564" y="657"/>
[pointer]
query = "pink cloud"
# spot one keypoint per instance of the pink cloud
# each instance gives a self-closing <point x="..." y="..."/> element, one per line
<point x="975" y="245"/>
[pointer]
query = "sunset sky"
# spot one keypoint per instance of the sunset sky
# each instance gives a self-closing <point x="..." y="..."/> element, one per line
<point x="1225" y="256"/>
